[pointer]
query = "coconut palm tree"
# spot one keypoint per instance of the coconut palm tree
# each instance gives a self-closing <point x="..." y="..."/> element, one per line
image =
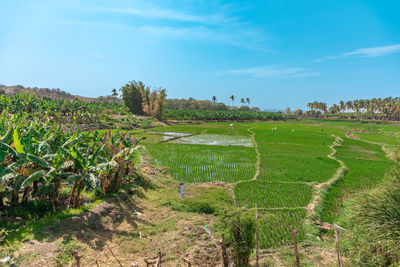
<point x="114" y="92"/>
<point x="248" y="101"/>
<point x="233" y="99"/>
<point x="214" y="99"/>
<point x="342" y="106"/>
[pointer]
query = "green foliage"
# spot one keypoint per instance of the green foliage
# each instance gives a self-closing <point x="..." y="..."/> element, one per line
<point x="221" y="115"/>
<point x="59" y="110"/>
<point x="132" y="97"/>
<point x="374" y="219"/>
<point x="46" y="158"/>
<point x="242" y="228"/>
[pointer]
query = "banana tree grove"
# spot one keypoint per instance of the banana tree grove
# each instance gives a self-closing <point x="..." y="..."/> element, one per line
<point x="38" y="158"/>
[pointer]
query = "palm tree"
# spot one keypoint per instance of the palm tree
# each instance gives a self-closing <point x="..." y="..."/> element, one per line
<point x="248" y="101"/>
<point x="233" y="99"/>
<point x="214" y="99"/>
<point x="114" y="93"/>
<point x="342" y="106"/>
<point x="242" y="101"/>
<point x="349" y="105"/>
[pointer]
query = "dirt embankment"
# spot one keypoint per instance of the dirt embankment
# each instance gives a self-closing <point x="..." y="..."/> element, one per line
<point x="126" y="230"/>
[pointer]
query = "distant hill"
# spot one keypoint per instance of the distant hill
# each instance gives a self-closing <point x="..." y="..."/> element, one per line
<point x="44" y="92"/>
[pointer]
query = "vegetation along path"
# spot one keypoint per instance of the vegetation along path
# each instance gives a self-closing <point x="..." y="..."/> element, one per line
<point x="321" y="188"/>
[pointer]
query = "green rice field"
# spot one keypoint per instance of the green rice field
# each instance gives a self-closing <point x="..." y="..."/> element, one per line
<point x="293" y="160"/>
<point x="203" y="163"/>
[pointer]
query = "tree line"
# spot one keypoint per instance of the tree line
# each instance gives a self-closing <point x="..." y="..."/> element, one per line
<point x="375" y="108"/>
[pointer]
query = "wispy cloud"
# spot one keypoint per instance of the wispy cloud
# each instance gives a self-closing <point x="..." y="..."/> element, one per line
<point x="221" y="26"/>
<point x="154" y="12"/>
<point x="271" y="72"/>
<point x="366" y="52"/>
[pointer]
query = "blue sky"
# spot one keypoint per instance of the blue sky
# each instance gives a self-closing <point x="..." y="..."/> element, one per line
<point x="278" y="53"/>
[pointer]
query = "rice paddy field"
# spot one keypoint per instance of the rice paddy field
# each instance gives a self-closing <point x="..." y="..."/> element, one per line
<point x="295" y="159"/>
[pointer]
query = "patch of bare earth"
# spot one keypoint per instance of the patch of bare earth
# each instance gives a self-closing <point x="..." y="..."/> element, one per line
<point x="125" y="230"/>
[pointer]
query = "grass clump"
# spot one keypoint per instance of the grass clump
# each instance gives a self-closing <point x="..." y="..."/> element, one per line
<point x="65" y="249"/>
<point x="203" y="200"/>
<point x="374" y="220"/>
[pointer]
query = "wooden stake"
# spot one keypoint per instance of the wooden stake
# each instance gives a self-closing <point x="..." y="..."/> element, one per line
<point x="296" y="252"/>
<point x="339" y="252"/>
<point x="189" y="264"/>
<point x="77" y="258"/>
<point x="224" y="254"/>
<point x="158" y="262"/>
<point x="257" y="245"/>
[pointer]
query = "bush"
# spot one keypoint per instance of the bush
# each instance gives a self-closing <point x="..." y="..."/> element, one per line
<point x="239" y="227"/>
<point x="374" y="219"/>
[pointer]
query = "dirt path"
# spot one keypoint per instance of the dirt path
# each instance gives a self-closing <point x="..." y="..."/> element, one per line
<point x="257" y="165"/>
<point x="319" y="188"/>
<point x="390" y="154"/>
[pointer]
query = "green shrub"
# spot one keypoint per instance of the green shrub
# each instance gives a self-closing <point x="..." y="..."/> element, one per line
<point x="374" y="219"/>
<point x="239" y="227"/>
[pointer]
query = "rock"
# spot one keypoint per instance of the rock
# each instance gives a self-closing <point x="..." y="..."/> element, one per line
<point x="5" y="260"/>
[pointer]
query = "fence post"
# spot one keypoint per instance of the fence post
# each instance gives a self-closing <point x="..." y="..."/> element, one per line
<point x="158" y="262"/>
<point x="189" y="264"/>
<point x="224" y="254"/>
<point x="257" y="245"/>
<point x="77" y="258"/>
<point x="296" y="252"/>
<point x="339" y="252"/>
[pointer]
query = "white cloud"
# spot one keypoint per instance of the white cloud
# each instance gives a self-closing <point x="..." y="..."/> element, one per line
<point x="271" y="72"/>
<point x="366" y="52"/>
<point x="167" y="14"/>
<point x="219" y="27"/>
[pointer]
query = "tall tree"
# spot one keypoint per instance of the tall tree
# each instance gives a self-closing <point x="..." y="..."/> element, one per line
<point x="242" y="100"/>
<point x="132" y="96"/>
<point x="248" y="101"/>
<point x="233" y="99"/>
<point x="114" y="92"/>
<point x="214" y="99"/>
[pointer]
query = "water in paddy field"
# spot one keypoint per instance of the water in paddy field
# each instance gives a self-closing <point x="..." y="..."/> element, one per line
<point x="216" y="140"/>
<point x="175" y="134"/>
<point x="171" y="135"/>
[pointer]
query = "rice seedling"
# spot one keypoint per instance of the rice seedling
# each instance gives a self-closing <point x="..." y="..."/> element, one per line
<point x="366" y="165"/>
<point x="275" y="227"/>
<point x="272" y="194"/>
<point x="201" y="163"/>
<point x="293" y="152"/>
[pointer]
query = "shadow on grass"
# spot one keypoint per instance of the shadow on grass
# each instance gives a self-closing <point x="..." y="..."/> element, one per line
<point x="90" y="224"/>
